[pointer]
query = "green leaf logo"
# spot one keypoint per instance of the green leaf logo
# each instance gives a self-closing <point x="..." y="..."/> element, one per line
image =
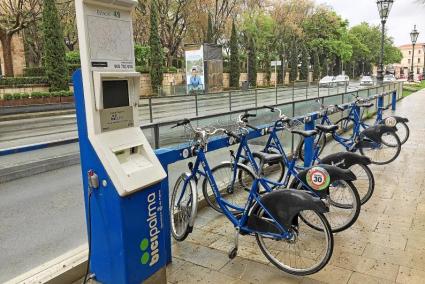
<point x="144" y="244"/>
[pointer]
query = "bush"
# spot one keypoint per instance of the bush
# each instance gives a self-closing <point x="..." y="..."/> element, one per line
<point x="34" y="72"/>
<point x="8" y="97"/>
<point x="22" y="81"/>
<point x="37" y="95"/>
<point x="172" y="69"/>
<point x="72" y="68"/>
<point x="73" y="57"/>
<point x="142" y="69"/>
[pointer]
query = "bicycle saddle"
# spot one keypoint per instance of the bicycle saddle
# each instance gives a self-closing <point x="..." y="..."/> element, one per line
<point x="305" y="133"/>
<point x="366" y="105"/>
<point x="327" y="128"/>
<point x="268" y="158"/>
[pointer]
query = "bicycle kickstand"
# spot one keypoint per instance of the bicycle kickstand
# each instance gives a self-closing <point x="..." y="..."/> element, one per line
<point x="234" y="251"/>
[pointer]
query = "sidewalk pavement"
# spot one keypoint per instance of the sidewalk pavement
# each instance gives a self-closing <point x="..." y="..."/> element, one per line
<point x="386" y="245"/>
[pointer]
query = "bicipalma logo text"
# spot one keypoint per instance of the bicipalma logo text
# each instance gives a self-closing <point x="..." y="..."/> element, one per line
<point x="149" y="246"/>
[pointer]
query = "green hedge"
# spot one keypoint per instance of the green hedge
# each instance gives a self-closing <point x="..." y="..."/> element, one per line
<point x="34" y="72"/>
<point x="37" y="95"/>
<point x="145" y="69"/>
<point x="19" y="81"/>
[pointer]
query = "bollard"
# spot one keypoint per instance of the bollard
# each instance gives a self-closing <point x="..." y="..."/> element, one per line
<point x="380" y="106"/>
<point x="308" y="142"/>
<point x="393" y="100"/>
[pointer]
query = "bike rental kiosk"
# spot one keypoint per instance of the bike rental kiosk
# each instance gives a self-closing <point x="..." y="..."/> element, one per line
<point x="121" y="173"/>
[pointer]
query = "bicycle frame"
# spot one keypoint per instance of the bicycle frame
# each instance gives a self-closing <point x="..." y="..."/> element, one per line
<point x="254" y="197"/>
<point x="272" y="142"/>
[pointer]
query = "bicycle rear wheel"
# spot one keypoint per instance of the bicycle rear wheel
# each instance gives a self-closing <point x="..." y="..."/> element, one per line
<point x="183" y="206"/>
<point x="234" y="183"/>
<point x="321" y="143"/>
<point x="307" y="253"/>
<point x="346" y="127"/>
<point x="382" y="153"/>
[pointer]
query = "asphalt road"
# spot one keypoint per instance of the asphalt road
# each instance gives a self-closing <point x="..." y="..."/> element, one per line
<point x="42" y="217"/>
<point x="22" y="132"/>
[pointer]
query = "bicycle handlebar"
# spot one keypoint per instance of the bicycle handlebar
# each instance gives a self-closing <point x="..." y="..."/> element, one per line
<point x="181" y="123"/>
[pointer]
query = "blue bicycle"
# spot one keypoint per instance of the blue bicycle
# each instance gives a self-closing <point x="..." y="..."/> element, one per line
<point x="356" y="114"/>
<point x="272" y="217"/>
<point x="379" y="143"/>
<point x="365" y="182"/>
<point x="341" y="193"/>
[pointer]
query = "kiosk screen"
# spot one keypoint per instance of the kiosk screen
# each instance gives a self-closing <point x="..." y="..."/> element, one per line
<point x="115" y="94"/>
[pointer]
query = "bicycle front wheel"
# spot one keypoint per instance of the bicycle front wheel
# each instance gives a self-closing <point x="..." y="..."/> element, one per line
<point x="344" y="206"/>
<point x="183" y="206"/>
<point x="385" y="152"/>
<point x="306" y="253"/>
<point x="234" y="182"/>
<point x="403" y="132"/>
<point x="365" y="182"/>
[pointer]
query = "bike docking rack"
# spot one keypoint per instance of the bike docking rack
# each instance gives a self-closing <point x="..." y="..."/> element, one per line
<point x="173" y="154"/>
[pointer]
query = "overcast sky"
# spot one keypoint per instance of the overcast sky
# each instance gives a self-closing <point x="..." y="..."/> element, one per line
<point x="404" y="14"/>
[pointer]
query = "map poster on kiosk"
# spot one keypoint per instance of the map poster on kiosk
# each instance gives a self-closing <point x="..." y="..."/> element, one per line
<point x="125" y="202"/>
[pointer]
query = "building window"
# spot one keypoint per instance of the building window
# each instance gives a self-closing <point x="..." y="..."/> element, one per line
<point x="410" y="52"/>
<point x="419" y="60"/>
<point x="408" y="60"/>
<point x="420" y="51"/>
<point x="418" y="71"/>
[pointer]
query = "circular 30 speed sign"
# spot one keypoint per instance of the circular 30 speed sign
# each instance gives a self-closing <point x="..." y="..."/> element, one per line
<point x="318" y="178"/>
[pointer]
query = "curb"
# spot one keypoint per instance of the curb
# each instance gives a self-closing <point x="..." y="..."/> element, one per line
<point x="7" y="117"/>
<point x="37" y="146"/>
<point x="67" y="268"/>
<point x="38" y="167"/>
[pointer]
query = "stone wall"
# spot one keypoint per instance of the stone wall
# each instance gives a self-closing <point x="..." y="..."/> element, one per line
<point x="18" y="54"/>
<point x="170" y="79"/>
<point x="261" y="79"/>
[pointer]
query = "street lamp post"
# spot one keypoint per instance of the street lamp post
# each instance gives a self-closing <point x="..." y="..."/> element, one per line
<point x="423" y="69"/>
<point x="414" y="37"/>
<point x="384" y="8"/>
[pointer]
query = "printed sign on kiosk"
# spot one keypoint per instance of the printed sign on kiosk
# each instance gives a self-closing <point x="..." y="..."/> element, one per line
<point x="121" y="173"/>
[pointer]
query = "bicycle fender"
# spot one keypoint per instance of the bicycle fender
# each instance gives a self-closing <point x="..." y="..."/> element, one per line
<point x="335" y="173"/>
<point x="375" y="133"/>
<point x="284" y="206"/>
<point x="345" y="160"/>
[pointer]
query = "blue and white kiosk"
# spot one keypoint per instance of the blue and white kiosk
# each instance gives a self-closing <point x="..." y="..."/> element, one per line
<point x="121" y="173"/>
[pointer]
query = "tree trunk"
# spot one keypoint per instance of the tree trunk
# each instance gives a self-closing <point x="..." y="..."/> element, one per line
<point x="6" y="43"/>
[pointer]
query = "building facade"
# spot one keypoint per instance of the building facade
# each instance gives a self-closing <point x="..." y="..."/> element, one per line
<point x="402" y="69"/>
<point x="18" y="56"/>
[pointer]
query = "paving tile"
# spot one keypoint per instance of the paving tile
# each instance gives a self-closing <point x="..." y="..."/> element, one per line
<point x="332" y="274"/>
<point x="201" y="237"/>
<point x="200" y="255"/>
<point x="368" y="266"/>
<point x="410" y="276"/>
<point x="357" y="278"/>
<point x="408" y="258"/>
<point x="254" y="272"/>
<point x="246" y="250"/>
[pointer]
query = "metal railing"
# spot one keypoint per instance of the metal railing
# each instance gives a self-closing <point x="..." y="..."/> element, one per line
<point x="160" y="135"/>
<point x="160" y="109"/>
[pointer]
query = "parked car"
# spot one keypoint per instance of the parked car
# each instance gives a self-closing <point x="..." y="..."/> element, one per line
<point x="342" y="80"/>
<point x="366" y="81"/>
<point x="327" y="82"/>
<point x="389" y="78"/>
